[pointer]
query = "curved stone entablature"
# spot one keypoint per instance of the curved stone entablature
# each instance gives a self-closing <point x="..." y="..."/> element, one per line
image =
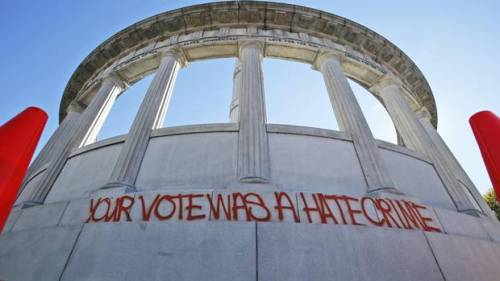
<point x="213" y="30"/>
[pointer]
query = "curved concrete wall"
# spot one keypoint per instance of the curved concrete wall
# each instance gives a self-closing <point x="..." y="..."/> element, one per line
<point x="204" y="157"/>
<point x="53" y="241"/>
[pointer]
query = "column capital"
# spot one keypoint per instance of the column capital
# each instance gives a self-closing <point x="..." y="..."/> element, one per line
<point x="114" y="79"/>
<point x="175" y="53"/>
<point x="75" y="106"/>
<point x="388" y="80"/>
<point x="324" y="56"/>
<point x="423" y="113"/>
<point x="251" y="43"/>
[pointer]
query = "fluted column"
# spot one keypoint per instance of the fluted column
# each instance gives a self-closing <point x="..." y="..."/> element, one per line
<point x="150" y="116"/>
<point x="460" y="174"/>
<point x="415" y="137"/>
<point x="234" y="109"/>
<point x="60" y="135"/>
<point x="253" y="147"/>
<point x="84" y="130"/>
<point x="352" y="120"/>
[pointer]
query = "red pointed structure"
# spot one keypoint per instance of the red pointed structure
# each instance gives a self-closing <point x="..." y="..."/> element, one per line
<point x="486" y="128"/>
<point x="18" y="140"/>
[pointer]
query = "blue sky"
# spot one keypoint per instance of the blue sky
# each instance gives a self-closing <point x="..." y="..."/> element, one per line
<point x="454" y="43"/>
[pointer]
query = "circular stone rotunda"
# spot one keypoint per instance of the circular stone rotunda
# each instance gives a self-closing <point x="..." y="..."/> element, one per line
<point x="246" y="199"/>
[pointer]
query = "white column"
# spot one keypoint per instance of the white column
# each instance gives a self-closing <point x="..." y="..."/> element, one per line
<point x="60" y="135"/>
<point x="253" y="150"/>
<point x="234" y="109"/>
<point x="149" y="117"/>
<point x="351" y="120"/>
<point x="457" y="170"/>
<point x="87" y="126"/>
<point x="415" y="137"/>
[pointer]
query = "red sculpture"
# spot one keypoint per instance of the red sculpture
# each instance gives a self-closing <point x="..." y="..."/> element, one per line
<point x="486" y="128"/>
<point x="18" y="140"/>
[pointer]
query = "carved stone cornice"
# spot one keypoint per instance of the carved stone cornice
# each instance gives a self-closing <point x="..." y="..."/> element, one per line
<point x="252" y="15"/>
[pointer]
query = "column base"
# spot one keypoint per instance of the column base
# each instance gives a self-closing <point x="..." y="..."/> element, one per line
<point x="253" y="180"/>
<point x="28" y="204"/>
<point x="378" y="192"/>
<point x="111" y="185"/>
<point x="113" y="189"/>
<point x="238" y="185"/>
<point x="473" y="212"/>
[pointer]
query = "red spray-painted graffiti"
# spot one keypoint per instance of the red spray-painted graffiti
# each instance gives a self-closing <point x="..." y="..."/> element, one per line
<point x="278" y="206"/>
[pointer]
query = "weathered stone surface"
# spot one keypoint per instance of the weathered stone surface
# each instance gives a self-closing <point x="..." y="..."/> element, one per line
<point x="461" y="224"/>
<point x="455" y="166"/>
<point x="280" y="17"/>
<point x="463" y="258"/>
<point x="315" y="164"/>
<point x="492" y="228"/>
<point x="111" y="192"/>
<point x="84" y="173"/>
<point x="430" y="212"/>
<point x="84" y="131"/>
<point x="40" y="216"/>
<point x="38" y="254"/>
<point x="150" y="116"/>
<point x="417" y="178"/>
<point x="13" y="216"/>
<point x="415" y="137"/>
<point x="164" y="251"/>
<point x="322" y="252"/>
<point x="190" y="160"/>
<point x="76" y="212"/>
<point x="212" y="159"/>
<point x="352" y="120"/>
<point x="29" y="188"/>
<point x="253" y="146"/>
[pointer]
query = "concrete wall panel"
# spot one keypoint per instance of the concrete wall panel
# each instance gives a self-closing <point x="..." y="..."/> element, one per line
<point x="462" y="258"/>
<point x="321" y="252"/>
<point x="36" y="255"/>
<point x="417" y="178"/>
<point x="492" y="228"/>
<point x="461" y="224"/>
<point x="193" y="160"/>
<point x="164" y="251"/>
<point x="28" y="189"/>
<point x="315" y="164"/>
<point x="11" y="220"/>
<point x="40" y="216"/>
<point x="84" y="173"/>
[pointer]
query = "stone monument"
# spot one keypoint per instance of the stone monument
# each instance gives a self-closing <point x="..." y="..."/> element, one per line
<point x="248" y="200"/>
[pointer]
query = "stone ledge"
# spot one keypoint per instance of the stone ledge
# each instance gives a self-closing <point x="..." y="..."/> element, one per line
<point x="99" y="144"/>
<point x="403" y="150"/>
<point x="195" y="129"/>
<point x="307" y="131"/>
